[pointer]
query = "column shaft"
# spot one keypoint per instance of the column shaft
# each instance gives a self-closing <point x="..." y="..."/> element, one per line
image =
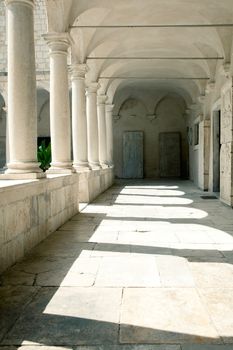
<point x="60" y="127"/>
<point x="102" y="130"/>
<point x="22" y="114"/>
<point x="92" y="126"/>
<point x="79" y="120"/>
<point x="109" y="128"/>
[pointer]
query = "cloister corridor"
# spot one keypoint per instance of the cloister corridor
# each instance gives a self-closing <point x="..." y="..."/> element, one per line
<point x="148" y="265"/>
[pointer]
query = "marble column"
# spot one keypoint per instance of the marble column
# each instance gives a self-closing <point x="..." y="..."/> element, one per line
<point x="101" y="99"/>
<point x="109" y="129"/>
<point x="79" y="119"/>
<point x="22" y="114"/>
<point x="60" y="127"/>
<point x="92" y="126"/>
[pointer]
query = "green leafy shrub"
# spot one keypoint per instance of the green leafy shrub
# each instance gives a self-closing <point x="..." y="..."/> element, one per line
<point x="44" y="156"/>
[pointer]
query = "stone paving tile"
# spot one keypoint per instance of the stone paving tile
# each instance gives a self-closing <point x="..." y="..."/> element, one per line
<point x="174" y="272"/>
<point x="104" y="236"/>
<point x="128" y="272"/>
<point x="165" y="315"/>
<point x="219" y="303"/>
<point x="13" y="300"/>
<point x="77" y="236"/>
<point x="81" y="273"/>
<point x="174" y="262"/>
<point x="75" y="225"/>
<point x="206" y="347"/>
<point x="14" y="278"/>
<point x="68" y="249"/>
<point x="130" y="347"/>
<point x="212" y="274"/>
<point x="110" y="250"/>
<point x="69" y="316"/>
<point x="150" y="237"/>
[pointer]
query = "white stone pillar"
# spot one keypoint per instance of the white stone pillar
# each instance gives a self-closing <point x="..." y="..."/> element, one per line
<point x="109" y="129"/>
<point x="92" y="126"/>
<point x="22" y="115"/>
<point x="60" y="127"/>
<point x="79" y="119"/>
<point x="101" y="99"/>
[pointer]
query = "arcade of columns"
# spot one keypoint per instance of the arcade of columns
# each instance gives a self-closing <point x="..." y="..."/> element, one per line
<point x="92" y="139"/>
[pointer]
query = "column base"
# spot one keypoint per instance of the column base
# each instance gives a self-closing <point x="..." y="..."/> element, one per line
<point x="110" y="165"/>
<point x="104" y="165"/>
<point x="21" y="167"/>
<point x="22" y="176"/>
<point x="60" y="168"/>
<point x="60" y="171"/>
<point x="81" y="167"/>
<point x="94" y="166"/>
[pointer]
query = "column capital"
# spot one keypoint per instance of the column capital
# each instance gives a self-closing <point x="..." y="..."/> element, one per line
<point x="22" y="2"/>
<point x="78" y="71"/>
<point x="109" y="107"/>
<point x="101" y="99"/>
<point x="92" y="88"/>
<point x="58" y="43"/>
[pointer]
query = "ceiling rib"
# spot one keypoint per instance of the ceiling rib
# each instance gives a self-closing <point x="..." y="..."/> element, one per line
<point x="194" y="25"/>
<point x="152" y="58"/>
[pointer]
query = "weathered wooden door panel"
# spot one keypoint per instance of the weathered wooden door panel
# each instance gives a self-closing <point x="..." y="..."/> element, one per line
<point x="133" y="155"/>
<point x="170" y="154"/>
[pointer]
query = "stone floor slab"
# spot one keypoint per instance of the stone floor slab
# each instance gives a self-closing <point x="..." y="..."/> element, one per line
<point x="13" y="300"/>
<point x="155" y="275"/>
<point x="128" y="272"/>
<point x="219" y="303"/>
<point x="174" y="271"/>
<point x="165" y="315"/>
<point x="131" y="347"/>
<point x="212" y="274"/>
<point x="69" y="316"/>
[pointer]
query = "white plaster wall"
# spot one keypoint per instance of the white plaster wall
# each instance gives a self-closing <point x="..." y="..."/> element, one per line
<point x="134" y="110"/>
<point x="201" y="157"/>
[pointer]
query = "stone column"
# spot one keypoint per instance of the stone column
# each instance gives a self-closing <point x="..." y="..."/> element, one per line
<point x="22" y="114"/>
<point x="60" y="128"/>
<point x="109" y="129"/>
<point x="101" y="99"/>
<point x="79" y="119"/>
<point x="92" y="126"/>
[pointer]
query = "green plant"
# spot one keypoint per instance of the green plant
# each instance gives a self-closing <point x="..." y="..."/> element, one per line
<point x="44" y="155"/>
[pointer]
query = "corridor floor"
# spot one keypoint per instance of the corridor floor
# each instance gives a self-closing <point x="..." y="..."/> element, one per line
<point x="148" y="265"/>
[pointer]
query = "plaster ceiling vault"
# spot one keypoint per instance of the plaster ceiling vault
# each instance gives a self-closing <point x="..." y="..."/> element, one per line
<point x="120" y="54"/>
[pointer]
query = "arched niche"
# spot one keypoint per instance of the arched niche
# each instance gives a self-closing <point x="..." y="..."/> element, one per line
<point x="170" y="102"/>
<point x="43" y="113"/>
<point x="132" y="108"/>
<point x="2" y="132"/>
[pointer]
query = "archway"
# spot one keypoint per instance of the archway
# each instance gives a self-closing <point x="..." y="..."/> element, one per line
<point x="43" y="115"/>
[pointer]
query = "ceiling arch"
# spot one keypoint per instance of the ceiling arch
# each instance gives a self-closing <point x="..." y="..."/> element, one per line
<point x="179" y="32"/>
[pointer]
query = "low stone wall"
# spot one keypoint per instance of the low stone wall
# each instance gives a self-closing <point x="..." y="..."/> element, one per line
<point x="93" y="183"/>
<point x="32" y="210"/>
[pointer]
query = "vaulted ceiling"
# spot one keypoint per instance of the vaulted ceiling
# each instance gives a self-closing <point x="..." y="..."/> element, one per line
<point x="177" y="45"/>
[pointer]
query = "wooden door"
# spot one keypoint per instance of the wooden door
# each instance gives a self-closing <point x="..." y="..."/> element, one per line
<point x="170" y="154"/>
<point x="133" y="155"/>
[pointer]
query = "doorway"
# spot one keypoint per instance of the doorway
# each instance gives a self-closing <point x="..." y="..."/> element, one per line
<point x="216" y="150"/>
<point x="169" y="154"/>
<point x="133" y="155"/>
